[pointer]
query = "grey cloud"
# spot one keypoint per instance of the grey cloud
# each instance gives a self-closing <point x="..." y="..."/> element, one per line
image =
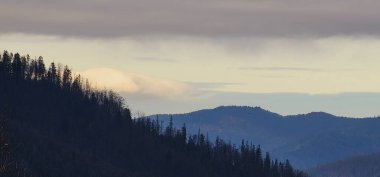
<point x="211" y="85"/>
<point x="156" y="59"/>
<point x="282" y="69"/>
<point x="210" y="18"/>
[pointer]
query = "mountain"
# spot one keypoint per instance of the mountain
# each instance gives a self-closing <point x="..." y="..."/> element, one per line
<point x="367" y="165"/>
<point x="55" y="124"/>
<point x="307" y="139"/>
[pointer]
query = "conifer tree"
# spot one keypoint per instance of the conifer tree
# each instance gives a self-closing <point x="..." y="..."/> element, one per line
<point x="267" y="164"/>
<point x="40" y="69"/>
<point x="184" y="133"/>
<point x="66" y="78"/>
<point x="16" y="67"/>
<point x="52" y="74"/>
<point x="5" y="67"/>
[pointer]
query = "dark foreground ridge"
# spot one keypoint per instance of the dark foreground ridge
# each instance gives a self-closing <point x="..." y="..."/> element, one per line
<point x="54" y="124"/>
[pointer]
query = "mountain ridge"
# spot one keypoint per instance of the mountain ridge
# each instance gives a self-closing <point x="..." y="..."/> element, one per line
<point x="291" y="136"/>
<point x="259" y="108"/>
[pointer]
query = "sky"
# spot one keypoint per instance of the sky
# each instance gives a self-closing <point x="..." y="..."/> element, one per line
<point x="175" y="56"/>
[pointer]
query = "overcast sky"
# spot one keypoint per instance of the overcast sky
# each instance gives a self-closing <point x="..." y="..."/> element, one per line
<point x="207" y="18"/>
<point x="170" y="56"/>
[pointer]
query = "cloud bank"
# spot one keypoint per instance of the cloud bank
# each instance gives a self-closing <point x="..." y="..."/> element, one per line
<point x="140" y="85"/>
<point x="214" y="18"/>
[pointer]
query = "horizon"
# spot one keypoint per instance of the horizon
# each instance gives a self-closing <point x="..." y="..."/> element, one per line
<point x="264" y="109"/>
<point x="171" y="56"/>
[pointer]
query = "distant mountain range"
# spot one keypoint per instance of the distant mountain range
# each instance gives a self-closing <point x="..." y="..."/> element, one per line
<point x="360" y="166"/>
<point x="307" y="140"/>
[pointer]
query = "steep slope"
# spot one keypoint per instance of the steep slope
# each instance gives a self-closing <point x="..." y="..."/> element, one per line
<point x="359" y="166"/>
<point x="54" y="124"/>
<point x="307" y="140"/>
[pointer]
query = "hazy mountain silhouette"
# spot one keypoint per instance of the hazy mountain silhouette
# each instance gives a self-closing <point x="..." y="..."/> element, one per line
<point x="359" y="166"/>
<point x="306" y="139"/>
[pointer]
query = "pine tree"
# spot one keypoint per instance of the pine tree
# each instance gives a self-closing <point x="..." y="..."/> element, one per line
<point x="16" y="67"/>
<point x="267" y="164"/>
<point x="169" y="130"/>
<point x="32" y="71"/>
<point x="5" y="67"/>
<point x="52" y="74"/>
<point x="66" y="78"/>
<point x="184" y="133"/>
<point x="40" y="69"/>
<point x="289" y="172"/>
<point x="25" y="67"/>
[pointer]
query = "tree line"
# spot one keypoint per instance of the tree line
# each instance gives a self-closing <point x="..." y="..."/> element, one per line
<point x="55" y="124"/>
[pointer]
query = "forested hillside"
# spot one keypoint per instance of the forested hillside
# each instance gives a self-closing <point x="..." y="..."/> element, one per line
<point x="359" y="166"/>
<point x="307" y="140"/>
<point x="54" y="124"/>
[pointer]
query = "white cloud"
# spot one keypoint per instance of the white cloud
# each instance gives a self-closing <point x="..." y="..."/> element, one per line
<point x="142" y="85"/>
